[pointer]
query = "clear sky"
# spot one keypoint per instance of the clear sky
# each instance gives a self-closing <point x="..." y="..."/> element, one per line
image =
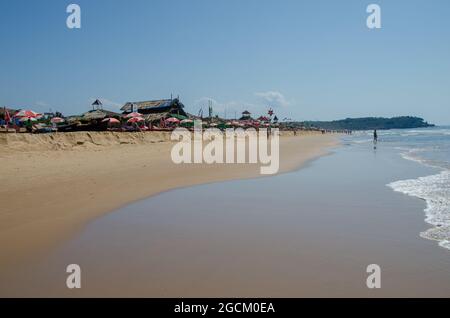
<point x="306" y="59"/>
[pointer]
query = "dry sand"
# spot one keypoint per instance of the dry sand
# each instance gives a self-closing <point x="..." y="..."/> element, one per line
<point x="54" y="184"/>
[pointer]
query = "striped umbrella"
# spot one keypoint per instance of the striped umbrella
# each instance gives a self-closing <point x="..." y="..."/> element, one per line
<point x="26" y="113"/>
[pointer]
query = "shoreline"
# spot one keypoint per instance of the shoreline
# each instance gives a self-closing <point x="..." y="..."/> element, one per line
<point x="61" y="191"/>
<point x="308" y="233"/>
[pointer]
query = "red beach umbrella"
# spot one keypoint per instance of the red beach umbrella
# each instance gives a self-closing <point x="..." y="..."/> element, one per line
<point x="26" y="118"/>
<point x="111" y="120"/>
<point x="133" y="114"/>
<point x="26" y="113"/>
<point x="135" y="120"/>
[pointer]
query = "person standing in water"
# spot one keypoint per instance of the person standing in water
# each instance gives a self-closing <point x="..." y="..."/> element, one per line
<point x="375" y="136"/>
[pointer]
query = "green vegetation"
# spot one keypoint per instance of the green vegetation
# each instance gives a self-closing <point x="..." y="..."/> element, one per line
<point x="369" y="123"/>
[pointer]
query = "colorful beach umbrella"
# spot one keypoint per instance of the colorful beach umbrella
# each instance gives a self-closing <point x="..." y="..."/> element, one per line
<point x="26" y="113"/>
<point x="25" y="118"/>
<point x="135" y="120"/>
<point x="111" y="120"/>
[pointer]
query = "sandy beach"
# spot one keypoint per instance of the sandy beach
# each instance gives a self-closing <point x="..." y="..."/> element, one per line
<point x="311" y="232"/>
<point x="52" y="185"/>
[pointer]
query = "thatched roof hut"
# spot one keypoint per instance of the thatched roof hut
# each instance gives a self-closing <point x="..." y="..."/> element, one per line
<point x="156" y="117"/>
<point x="99" y="114"/>
<point x="166" y="106"/>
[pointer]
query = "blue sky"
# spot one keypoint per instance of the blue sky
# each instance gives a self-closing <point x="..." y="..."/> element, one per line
<point x="306" y="59"/>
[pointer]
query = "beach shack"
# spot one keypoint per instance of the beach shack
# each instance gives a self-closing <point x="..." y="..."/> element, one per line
<point x="90" y="121"/>
<point x="156" y="111"/>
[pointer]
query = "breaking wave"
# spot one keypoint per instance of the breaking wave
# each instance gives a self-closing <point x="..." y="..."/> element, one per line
<point x="435" y="190"/>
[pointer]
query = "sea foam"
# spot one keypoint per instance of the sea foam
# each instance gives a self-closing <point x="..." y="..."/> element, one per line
<point x="435" y="190"/>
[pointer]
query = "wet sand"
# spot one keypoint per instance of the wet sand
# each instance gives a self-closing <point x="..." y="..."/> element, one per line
<point x="55" y="184"/>
<point x="308" y="233"/>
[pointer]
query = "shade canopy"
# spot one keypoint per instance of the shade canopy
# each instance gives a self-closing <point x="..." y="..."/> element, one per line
<point x="26" y="118"/>
<point x="135" y="120"/>
<point x="57" y="120"/>
<point x="26" y="113"/>
<point x="111" y="120"/>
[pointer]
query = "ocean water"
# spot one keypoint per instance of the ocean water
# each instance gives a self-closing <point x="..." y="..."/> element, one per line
<point x="429" y="147"/>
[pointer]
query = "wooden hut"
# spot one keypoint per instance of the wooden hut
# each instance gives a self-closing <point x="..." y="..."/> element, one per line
<point x="97" y="114"/>
<point x="162" y="106"/>
<point x="91" y="120"/>
<point x="156" y="111"/>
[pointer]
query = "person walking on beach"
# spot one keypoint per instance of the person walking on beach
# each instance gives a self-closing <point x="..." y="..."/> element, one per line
<point x="375" y="137"/>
